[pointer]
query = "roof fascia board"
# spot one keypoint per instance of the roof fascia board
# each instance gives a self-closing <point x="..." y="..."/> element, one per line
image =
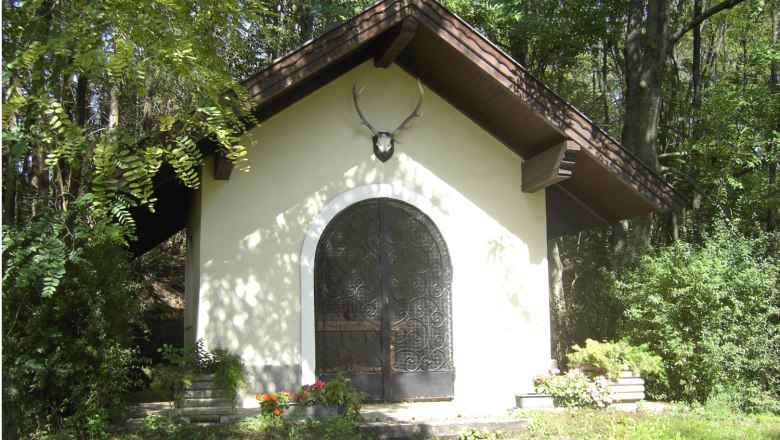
<point x="570" y="122"/>
<point x="311" y="58"/>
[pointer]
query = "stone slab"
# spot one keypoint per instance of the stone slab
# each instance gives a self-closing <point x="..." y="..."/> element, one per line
<point x="443" y="429"/>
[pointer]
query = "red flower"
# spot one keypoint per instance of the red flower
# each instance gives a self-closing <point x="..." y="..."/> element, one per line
<point x="274" y="397"/>
<point x="278" y="411"/>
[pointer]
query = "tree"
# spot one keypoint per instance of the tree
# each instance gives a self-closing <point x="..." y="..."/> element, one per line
<point x="97" y="97"/>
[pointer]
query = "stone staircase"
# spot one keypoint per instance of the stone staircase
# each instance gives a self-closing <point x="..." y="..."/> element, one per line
<point x="138" y="412"/>
<point x="203" y="406"/>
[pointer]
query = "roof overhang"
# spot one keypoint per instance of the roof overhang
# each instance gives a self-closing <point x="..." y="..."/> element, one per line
<point x="589" y="179"/>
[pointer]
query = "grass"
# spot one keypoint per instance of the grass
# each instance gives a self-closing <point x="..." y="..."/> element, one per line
<point x="677" y="422"/>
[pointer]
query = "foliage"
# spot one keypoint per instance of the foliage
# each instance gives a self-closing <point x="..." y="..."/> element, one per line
<point x="711" y="312"/>
<point x="309" y="394"/>
<point x="674" y="422"/>
<point x="340" y="392"/>
<point x="683" y="422"/>
<point x="336" y="392"/>
<point x="260" y="428"/>
<point x="342" y="428"/>
<point x="68" y="312"/>
<point x="183" y="365"/>
<point x="611" y="357"/>
<point x="230" y="373"/>
<point x="273" y="404"/>
<point x="98" y="95"/>
<point x="574" y="389"/>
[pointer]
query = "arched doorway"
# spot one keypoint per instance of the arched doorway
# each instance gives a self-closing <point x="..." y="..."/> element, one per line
<point x="382" y="302"/>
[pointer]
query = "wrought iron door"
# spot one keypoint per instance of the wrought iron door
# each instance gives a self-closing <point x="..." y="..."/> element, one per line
<point x="382" y="302"/>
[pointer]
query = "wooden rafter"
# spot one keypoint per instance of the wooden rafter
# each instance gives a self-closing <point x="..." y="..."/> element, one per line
<point x="395" y="42"/>
<point x="549" y="167"/>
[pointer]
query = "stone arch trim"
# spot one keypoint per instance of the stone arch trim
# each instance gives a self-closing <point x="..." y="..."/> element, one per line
<point x="309" y="250"/>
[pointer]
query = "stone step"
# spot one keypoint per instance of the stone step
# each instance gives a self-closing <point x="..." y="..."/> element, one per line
<point x="142" y="413"/>
<point x="629" y="381"/>
<point x="627" y="388"/>
<point x="141" y="410"/>
<point x="198" y="385"/>
<point x="628" y="373"/>
<point x="206" y="402"/>
<point x="205" y="411"/>
<point x="629" y="397"/>
<point x="134" y="424"/>
<point x="444" y="429"/>
<point x="206" y="394"/>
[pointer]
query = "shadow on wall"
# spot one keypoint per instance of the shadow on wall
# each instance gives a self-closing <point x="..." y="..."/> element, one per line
<point x="250" y="281"/>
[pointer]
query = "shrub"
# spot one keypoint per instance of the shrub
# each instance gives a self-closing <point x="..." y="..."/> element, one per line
<point x="68" y="314"/>
<point x="611" y="357"/>
<point x="184" y="364"/>
<point x="574" y="389"/>
<point x="712" y="312"/>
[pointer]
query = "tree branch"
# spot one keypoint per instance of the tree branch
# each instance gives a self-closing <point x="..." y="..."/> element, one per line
<point x="697" y="20"/>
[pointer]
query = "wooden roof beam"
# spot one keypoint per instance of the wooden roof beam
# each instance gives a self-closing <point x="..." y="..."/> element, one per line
<point x="395" y="42"/>
<point x="223" y="166"/>
<point x="586" y="204"/>
<point x="549" y="167"/>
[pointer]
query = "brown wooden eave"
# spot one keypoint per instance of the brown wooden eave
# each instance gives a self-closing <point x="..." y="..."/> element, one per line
<point x="606" y="183"/>
<point x="470" y="72"/>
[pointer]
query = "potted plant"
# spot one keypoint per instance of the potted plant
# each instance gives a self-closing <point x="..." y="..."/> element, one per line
<point x="574" y="389"/>
<point x="623" y="364"/>
<point x="319" y="400"/>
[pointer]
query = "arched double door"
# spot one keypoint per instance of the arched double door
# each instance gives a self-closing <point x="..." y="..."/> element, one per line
<point x="383" y="302"/>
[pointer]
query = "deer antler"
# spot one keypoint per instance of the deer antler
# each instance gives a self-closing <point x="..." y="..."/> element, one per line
<point x="355" y="93"/>
<point x="415" y="114"/>
<point x="384" y="142"/>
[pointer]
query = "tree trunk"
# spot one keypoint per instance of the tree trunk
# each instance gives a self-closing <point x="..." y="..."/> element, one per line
<point x="696" y="74"/>
<point x="774" y="86"/>
<point x="82" y="118"/>
<point x="646" y="56"/>
<point x="605" y="84"/>
<point x="633" y="65"/>
<point x="559" y="329"/>
<point x="9" y="190"/>
<point x="644" y="68"/>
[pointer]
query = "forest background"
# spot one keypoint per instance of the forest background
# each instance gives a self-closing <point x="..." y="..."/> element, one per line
<point x="97" y="95"/>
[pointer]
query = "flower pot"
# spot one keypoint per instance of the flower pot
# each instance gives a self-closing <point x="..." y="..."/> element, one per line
<point x="315" y="411"/>
<point x="533" y="400"/>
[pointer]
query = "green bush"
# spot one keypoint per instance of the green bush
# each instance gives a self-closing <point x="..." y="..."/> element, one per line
<point x="612" y="357"/>
<point x="68" y="314"/>
<point x="184" y="364"/>
<point x="712" y="312"/>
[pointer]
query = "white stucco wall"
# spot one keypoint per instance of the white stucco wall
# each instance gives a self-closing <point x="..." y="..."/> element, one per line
<point x="307" y="162"/>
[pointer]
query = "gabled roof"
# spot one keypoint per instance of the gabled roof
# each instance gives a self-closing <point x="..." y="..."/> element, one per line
<point x="589" y="179"/>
